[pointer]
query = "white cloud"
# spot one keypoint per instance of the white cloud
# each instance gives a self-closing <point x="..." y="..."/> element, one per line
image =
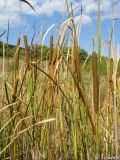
<point x="84" y="19"/>
<point x="49" y="7"/>
<point x="11" y="7"/>
<point x="91" y="7"/>
<point x="18" y="10"/>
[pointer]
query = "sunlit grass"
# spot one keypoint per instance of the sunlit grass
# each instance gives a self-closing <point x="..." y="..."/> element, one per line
<point x="52" y="108"/>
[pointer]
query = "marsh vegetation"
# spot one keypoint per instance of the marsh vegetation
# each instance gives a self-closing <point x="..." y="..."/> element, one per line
<point x="56" y="103"/>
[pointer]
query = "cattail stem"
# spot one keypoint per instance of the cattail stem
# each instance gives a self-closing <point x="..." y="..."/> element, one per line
<point x="99" y="37"/>
<point x="95" y="82"/>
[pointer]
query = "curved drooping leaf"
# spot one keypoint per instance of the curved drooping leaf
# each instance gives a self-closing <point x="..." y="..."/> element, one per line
<point x="28" y="4"/>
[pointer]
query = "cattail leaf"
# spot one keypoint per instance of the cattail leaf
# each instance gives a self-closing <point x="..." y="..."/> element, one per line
<point x="99" y="36"/>
<point x="2" y="33"/>
<point x="8" y="28"/>
<point x="28" y="4"/>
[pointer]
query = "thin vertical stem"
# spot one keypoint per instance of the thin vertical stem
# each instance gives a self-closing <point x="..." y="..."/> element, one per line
<point x="3" y="60"/>
<point x="99" y="37"/>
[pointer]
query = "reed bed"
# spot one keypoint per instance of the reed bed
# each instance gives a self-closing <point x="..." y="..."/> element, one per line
<point x="51" y="110"/>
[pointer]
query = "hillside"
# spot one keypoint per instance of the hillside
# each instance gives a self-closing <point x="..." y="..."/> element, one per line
<point x="10" y="51"/>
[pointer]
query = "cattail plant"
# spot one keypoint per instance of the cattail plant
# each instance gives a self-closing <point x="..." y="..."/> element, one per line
<point x="76" y="61"/>
<point x="27" y="56"/>
<point x="50" y="55"/>
<point x="16" y="57"/>
<point x="35" y="61"/>
<point x="51" y="109"/>
<point x="99" y="37"/>
<point x="16" y="74"/>
<point x="115" y="113"/>
<point x="76" y="69"/>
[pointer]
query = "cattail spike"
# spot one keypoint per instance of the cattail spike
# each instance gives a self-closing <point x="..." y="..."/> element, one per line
<point x="27" y="57"/>
<point x="51" y="50"/>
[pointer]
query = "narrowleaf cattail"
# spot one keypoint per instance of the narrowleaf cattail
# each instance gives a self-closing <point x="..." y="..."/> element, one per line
<point x="15" y="87"/>
<point x="17" y="55"/>
<point x="51" y="50"/>
<point x="76" y="63"/>
<point x="27" y="57"/>
<point x="95" y="82"/>
<point x="35" y="59"/>
<point x="54" y="57"/>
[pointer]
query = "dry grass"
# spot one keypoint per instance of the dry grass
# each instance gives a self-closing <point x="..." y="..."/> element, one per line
<point x="50" y="109"/>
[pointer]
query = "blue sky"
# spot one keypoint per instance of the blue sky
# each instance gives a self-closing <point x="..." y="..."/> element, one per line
<point x="23" y="18"/>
